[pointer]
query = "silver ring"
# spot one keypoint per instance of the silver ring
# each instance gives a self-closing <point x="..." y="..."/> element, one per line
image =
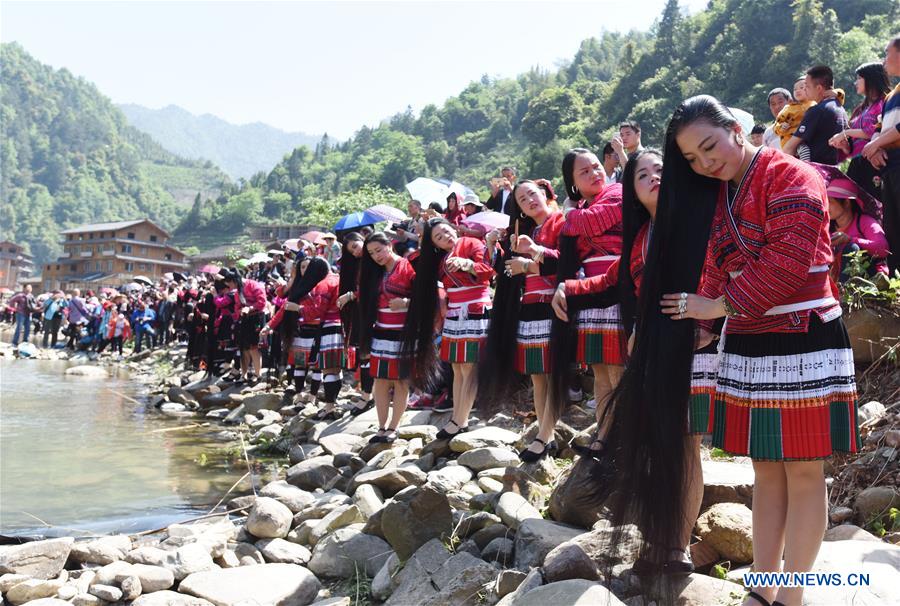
<point x="682" y="307"/>
<point x="684" y="296"/>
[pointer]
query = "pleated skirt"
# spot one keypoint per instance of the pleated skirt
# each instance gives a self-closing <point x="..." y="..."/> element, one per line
<point x="600" y="336"/>
<point x="704" y="370"/>
<point x="533" y="339"/>
<point x="331" y="346"/>
<point x="303" y="351"/>
<point x="464" y="335"/>
<point x="787" y="397"/>
<point x="385" y="358"/>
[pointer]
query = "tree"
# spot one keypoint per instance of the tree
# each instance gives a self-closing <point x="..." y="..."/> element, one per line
<point x="548" y="112"/>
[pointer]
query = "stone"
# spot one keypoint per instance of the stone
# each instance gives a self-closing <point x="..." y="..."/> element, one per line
<point x="383" y="583"/>
<point x="459" y="581"/>
<point x="535" y="538"/>
<point x="576" y="592"/>
<point x="393" y="480"/>
<point x="414" y="518"/>
<point x="37" y="559"/>
<point x="324" y="503"/>
<point x="342" y="553"/>
<point x="695" y="590"/>
<point x="152" y="578"/>
<point x="529" y="482"/>
<point x="344" y="601"/>
<point x="483" y="437"/>
<point x="490" y="485"/>
<point x="499" y="550"/>
<point x="294" y="498"/>
<point x="49" y="602"/>
<point x="471" y="523"/>
<point x="727" y="482"/>
<point x="508" y="581"/>
<point x="248" y="551"/>
<point x="839" y="515"/>
<point x="373" y="525"/>
<point x="871" y="412"/>
<point x="488" y="534"/>
<point x="372" y="449"/>
<point x="269" y="519"/>
<point x="268" y="433"/>
<point x="449" y="478"/>
<point x="367" y="499"/>
<point x="312" y="473"/>
<point x="281" y="551"/>
<point x="728" y="528"/>
<point x="33" y="589"/>
<point x="172" y="408"/>
<point x="10" y="580"/>
<point x="874" y="502"/>
<point x="152" y="556"/>
<point x="261" y="401"/>
<point x="180" y="396"/>
<point x="849" y="532"/>
<point x="569" y="561"/>
<point x="131" y="588"/>
<point x="409" y="586"/>
<point x="568" y="503"/>
<point x="277" y="584"/>
<point x="342" y="442"/>
<point x="188" y="559"/>
<point x="513" y="509"/>
<point x="169" y="598"/>
<point x="104" y="550"/>
<point x="479" y="459"/>
<point x="410" y="432"/>
<point x="340" y="517"/>
<point x="108" y="593"/>
<point x="92" y="372"/>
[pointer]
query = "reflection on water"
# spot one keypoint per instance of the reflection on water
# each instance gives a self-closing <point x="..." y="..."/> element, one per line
<point x="77" y="454"/>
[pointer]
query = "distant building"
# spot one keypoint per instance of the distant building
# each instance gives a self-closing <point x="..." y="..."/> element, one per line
<point x="278" y="232"/>
<point x="15" y="265"/>
<point x="111" y="254"/>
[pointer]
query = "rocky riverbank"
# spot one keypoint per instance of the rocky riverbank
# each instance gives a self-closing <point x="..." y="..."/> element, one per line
<point x="421" y="522"/>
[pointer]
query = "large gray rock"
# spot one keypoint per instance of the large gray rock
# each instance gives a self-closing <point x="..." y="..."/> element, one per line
<point x="153" y="578"/>
<point x="695" y="590"/>
<point x="368" y="500"/>
<point x="312" y="473"/>
<point x="261" y="401"/>
<point x="49" y="602"/>
<point x="849" y="532"/>
<point x="513" y="509"/>
<point x="532" y="580"/>
<point x="170" y="598"/>
<point x="571" y="593"/>
<point x="588" y="554"/>
<point x="104" y="550"/>
<point x="33" y="589"/>
<point x="460" y="580"/>
<point x="727" y="482"/>
<point x="341" y="554"/>
<point x="879" y="560"/>
<point x="338" y="518"/>
<point x="285" y="552"/>
<point x="569" y="502"/>
<point x="728" y="528"/>
<point x="189" y="559"/>
<point x="393" y="480"/>
<point x="294" y="498"/>
<point x="37" y="559"/>
<point x="383" y="583"/>
<point x="342" y="442"/>
<point x="449" y="478"/>
<point x="415" y="518"/>
<point x="499" y="550"/>
<point x="875" y="502"/>
<point x="535" y="538"/>
<point x="93" y="372"/>
<point x="483" y="437"/>
<point x="269" y="519"/>
<point x="479" y="459"/>
<point x="276" y="584"/>
<point x="412" y="584"/>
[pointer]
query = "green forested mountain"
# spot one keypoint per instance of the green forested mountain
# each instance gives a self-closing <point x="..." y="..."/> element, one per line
<point x="69" y="157"/>
<point x="735" y="49"/>
<point x="240" y="151"/>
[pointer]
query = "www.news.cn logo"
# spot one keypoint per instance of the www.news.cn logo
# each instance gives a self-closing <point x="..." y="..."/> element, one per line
<point x="805" y="579"/>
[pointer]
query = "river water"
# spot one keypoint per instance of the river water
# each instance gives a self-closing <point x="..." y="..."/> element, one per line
<point x="76" y="455"/>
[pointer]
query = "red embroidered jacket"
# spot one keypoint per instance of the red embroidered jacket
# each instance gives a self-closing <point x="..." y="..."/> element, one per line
<point x="546" y="235"/>
<point x="775" y="233"/>
<point x="610" y="279"/>
<point x="598" y="225"/>
<point x="396" y="283"/>
<point x="321" y="300"/>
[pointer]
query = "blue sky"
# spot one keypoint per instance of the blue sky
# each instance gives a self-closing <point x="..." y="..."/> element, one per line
<point x="310" y="66"/>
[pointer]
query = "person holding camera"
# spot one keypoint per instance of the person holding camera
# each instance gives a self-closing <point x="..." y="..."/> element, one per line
<point x="501" y="189"/>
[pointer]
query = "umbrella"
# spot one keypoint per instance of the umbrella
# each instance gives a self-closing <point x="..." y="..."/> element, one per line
<point x="242" y="263"/>
<point x="354" y="220"/>
<point x="210" y="268"/>
<point x="143" y="280"/>
<point x="132" y="286"/>
<point x="841" y="186"/>
<point x="292" y="244"/>
<point x="745" y="119"/>
<point x="274" y="252"/>
<point x="179" y="277"/>
<point x="168" y="276"/>
<point x="259" y="258"/>
<point x="427" y="190"/>
<point x="490" y="219"/>
<point x="5" y="290"/>
<point x="311" y="236"/>
<point x="109" y="291"/>
<point x="387" y="213"/>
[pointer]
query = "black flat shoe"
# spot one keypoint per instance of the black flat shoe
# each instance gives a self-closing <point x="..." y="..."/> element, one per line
<point x="356" y="410"/>
<point x="530" y="456"/>
<point x="763" y="601"/>
<point x="587" y="451"/>
<point x="327" y="415"/>
<point x="678" y="567"/>
<point x="443" y="434"/>
<point x="379" y="437"/>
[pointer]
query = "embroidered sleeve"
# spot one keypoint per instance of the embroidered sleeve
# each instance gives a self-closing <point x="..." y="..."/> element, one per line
<point x="594" y="284"/>
<point x="598" y="218"/>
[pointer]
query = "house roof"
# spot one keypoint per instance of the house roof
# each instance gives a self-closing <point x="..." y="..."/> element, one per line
<point x="116" y="225"/>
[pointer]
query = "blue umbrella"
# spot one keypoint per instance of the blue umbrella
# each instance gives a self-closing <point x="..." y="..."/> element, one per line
<point x="356" y="219"/>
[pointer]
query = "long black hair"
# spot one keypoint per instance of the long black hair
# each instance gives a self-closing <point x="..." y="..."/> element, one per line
<point x="499" y="361"/>
<point x="564" y="335"/>
<point x="634" y="216"/>
<point x="301" y="285"/>
<point x="418" y="332"/>
<point x="349" y="282"/>
<point x="647" y="442"/>
<point x="878" y="85"/>
<point x="370" y="276"/>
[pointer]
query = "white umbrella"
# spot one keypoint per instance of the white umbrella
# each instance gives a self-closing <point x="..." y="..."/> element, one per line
<point x="387" y="213"/>
<point x="274" y="252"/>
<point x="144" y="280"/>
<point x="427" y="190"/>
<point x="259" y="257"/>
<point x="490" y="219"/>
<point x="132" y="286"/>
<point x="745" y="119"/>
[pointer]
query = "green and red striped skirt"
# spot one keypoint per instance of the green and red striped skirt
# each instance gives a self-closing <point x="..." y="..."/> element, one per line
<point x="302" y="353"/>
<point x="533" y="339"/>
<point x="704" y="370"/>
<point x="464" y="334"/>
<point x="785" y="396"/>
<point x="600" y="336"/>
<point x="331" y="346"/>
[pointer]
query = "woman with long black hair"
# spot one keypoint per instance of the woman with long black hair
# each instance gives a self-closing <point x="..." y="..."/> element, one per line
<point x="591" y="242"/>
<point x="351" y="254"/>
<point x="463" y="266"/>
<point x="385" y="288"/>
<point x="249" y="297"/>
<point x="641" y="181"/>
<point x="521" y="310"/>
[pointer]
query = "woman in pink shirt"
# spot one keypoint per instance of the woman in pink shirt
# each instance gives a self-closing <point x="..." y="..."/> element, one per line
<point x="249" y="304"/>
<point x="853" y="228"/>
